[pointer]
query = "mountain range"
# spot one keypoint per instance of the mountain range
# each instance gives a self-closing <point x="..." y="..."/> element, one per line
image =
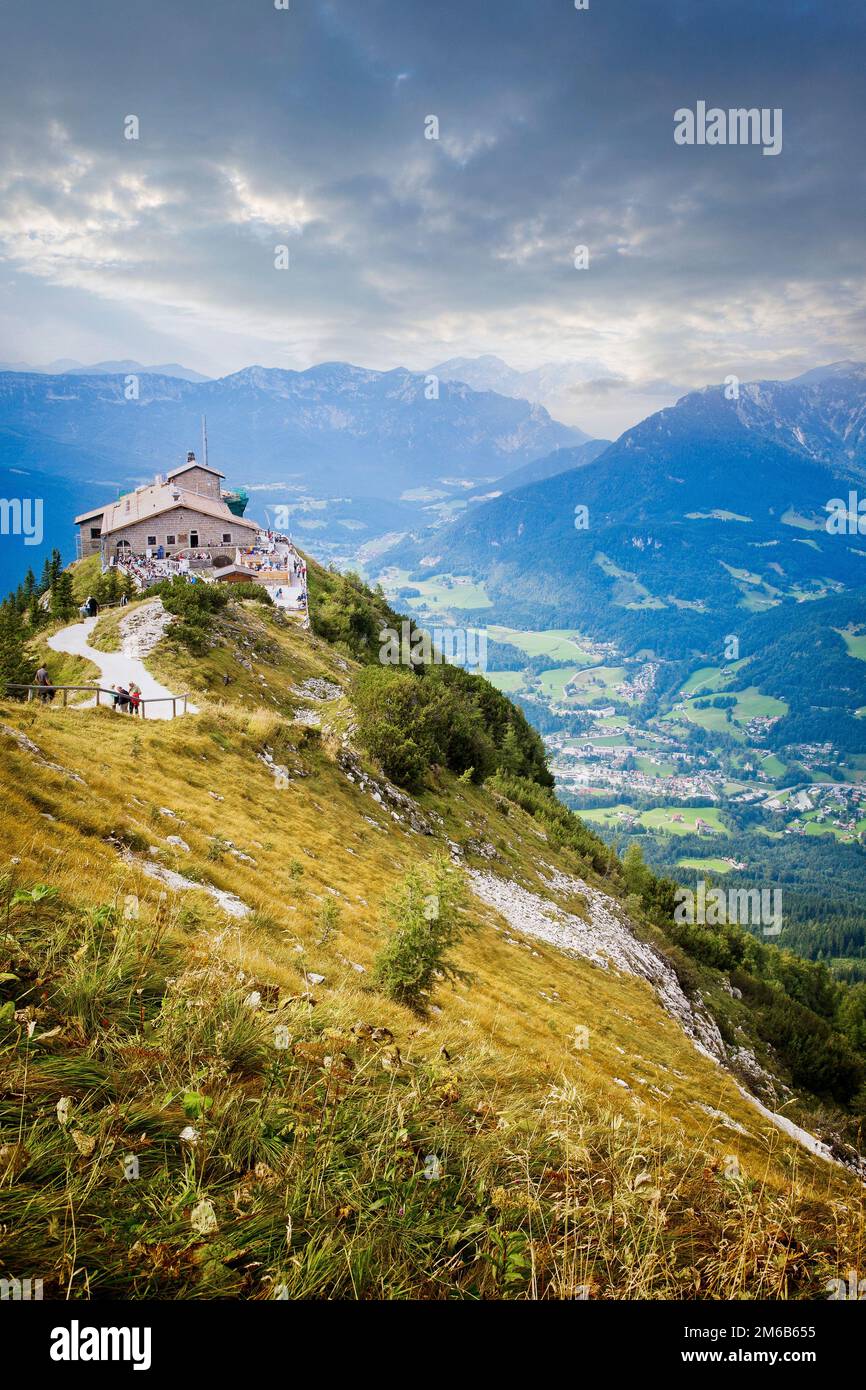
<point x="710" y="508"/>
<point x="322" y="438"/>
<point x="67" y="366"/>
<point x="374" y="433"/>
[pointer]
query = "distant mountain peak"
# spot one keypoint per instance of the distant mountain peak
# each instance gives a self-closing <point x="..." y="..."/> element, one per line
<point x="551" y="385"/>
<point x="67" y="366"/>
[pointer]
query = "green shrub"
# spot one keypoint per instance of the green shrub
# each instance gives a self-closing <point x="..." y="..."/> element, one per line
<point x="445" y="716"/>
<point x="424" y="920"/>
<point x="195" y="605"/>
<point x="253" y="591"/>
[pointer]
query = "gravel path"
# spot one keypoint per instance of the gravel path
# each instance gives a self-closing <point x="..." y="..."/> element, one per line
<point x="139" y="634"/>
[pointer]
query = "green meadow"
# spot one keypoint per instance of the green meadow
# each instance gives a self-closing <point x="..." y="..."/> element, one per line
<point x="560" y="644"/>
<point x="709" y="865"/>
<point x="660" y="818"/>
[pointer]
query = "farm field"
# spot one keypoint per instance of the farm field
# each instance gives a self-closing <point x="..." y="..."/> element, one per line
<point x="653" y="769"/>
<point x="751" y="704"/>
<point x="443" y="591"/>
<point x="509" y="682"/>
<point x="714" y="678"/>
<point x="560" y="644"/>
<point x="709" y="865"/>
<point x="856" y="644"/>
<point x="553" y="682"/>
<point x="592" y="685"/>
<point x="660" y="818"/>
<point x="440" y="592"/>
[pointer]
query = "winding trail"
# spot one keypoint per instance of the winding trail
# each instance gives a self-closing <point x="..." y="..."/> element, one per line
<point x="115" y="668"/>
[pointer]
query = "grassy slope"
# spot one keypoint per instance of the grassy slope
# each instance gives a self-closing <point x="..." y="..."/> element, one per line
<point x="553" y="1177"/>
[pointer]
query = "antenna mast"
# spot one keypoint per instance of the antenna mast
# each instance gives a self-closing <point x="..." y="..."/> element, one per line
<point x="204" y="439"/>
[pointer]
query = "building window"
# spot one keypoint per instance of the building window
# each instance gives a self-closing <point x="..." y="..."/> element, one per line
<point x="95" y="533"/>
<point x="151" y="540"/>
<point x="169" y="540"/>
<point x="227" y="535"/>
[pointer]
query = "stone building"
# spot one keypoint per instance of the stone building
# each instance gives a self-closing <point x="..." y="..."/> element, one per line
<point x="181" y="512"/>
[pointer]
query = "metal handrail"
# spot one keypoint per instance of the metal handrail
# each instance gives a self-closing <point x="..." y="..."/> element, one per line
<point x="100" y="690"/>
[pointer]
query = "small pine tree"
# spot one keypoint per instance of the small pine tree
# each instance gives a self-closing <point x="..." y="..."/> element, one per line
<point x="45" y="581"/>
<point x="423" y="915"/>
<point x="15" y="664"/>
<point x="63" y="605"/>
<point x="511" y="754"/>
<point x="35" y="614"/>
<point x="55" y="568"/>
<point x="634" y="870"/>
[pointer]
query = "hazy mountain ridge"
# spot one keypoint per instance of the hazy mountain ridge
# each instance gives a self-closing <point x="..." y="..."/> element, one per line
<point x="551" y="384"/>
<point x="67" y="366"/>
<point x="698" y="512"/>
<point x="561" y="461"/>
<point x="365" y="432"/>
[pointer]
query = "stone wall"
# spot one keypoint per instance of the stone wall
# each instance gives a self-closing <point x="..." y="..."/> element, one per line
<point x="199" y="480"/>
<point x="181" y="523"/>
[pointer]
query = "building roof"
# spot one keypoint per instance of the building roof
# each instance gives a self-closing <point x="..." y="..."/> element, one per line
<point x="225" y="571"/>
<point x="88" y="516"/>
<point x="191" y="463"/>
<point x="158" y="498"/>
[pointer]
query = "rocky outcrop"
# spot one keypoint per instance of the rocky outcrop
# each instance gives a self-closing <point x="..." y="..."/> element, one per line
<point x="143" y="628"/>
<point x="399" y="805"/>
<point x="605" y="937"/>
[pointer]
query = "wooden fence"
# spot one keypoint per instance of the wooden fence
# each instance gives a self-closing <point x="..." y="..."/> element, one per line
<point x="47" y="692"/>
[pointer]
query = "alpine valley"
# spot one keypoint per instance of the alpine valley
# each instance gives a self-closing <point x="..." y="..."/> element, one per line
<point x="682" y="616"/>
<point x="322" y="989"/>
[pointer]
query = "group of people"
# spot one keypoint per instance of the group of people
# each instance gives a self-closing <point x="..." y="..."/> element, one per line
<point x="281" y="568"/>
<point x="149" y="569"/>
<point x="127" y="699"/>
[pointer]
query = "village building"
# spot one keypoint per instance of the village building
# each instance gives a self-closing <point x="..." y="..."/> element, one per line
<point x="181" y="512"/>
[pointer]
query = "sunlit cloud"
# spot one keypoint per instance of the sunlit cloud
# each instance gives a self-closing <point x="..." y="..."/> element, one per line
<point x="308" y="128"/>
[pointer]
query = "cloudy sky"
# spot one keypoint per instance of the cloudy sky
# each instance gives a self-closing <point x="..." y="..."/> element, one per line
<point x="305" y="127"/>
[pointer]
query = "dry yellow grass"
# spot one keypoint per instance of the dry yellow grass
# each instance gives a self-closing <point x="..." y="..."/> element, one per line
<point x="507" y="1053"/>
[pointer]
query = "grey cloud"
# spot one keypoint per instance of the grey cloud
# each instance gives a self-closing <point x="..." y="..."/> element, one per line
<point x="306" y="127"/>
